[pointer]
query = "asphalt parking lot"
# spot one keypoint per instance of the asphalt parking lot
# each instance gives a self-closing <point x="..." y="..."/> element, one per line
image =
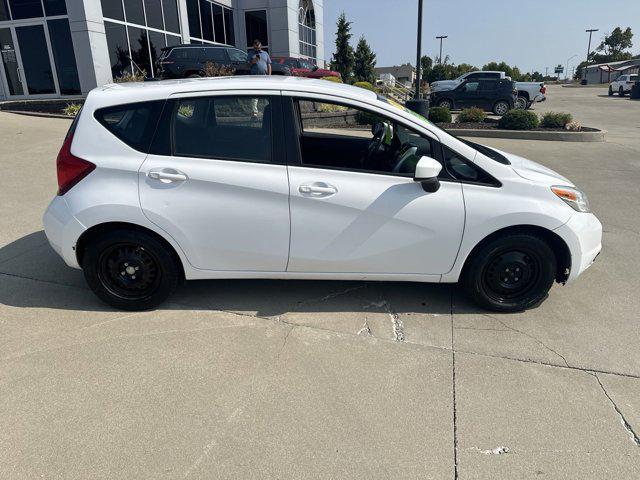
<point x="272" y="379"/>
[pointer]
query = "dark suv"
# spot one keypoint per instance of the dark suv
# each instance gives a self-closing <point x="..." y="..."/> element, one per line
<point x="189" y="60"/>
<point x="498" y="96"/>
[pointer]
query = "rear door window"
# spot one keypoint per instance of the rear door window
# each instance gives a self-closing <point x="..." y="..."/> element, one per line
<point x="237" y="55"/>
<point x="134" y="123"/>
<point x="225" y="128"/>
<point x="216" y="55"/>
<point x="185" y="54"/>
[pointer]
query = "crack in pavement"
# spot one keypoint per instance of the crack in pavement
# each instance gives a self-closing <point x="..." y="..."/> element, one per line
<point x="535" y="339"/>
<point x="453" y="388"/>
<point x="396" y="321"/>
<point x="627" y="426"/>
<point x="284" y="343"/>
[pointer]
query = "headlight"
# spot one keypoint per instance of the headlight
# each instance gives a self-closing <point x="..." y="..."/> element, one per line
<point x="572" y="197"/>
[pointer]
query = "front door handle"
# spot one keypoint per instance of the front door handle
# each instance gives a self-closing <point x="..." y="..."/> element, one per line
<point x="167" y="175"/>
<point x="317" y="190"/>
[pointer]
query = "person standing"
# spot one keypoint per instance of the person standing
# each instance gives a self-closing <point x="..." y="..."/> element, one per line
<point x="260" y="62"/>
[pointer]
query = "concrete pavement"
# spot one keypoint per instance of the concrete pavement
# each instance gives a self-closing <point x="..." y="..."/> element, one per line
<point x="272" y="379"/>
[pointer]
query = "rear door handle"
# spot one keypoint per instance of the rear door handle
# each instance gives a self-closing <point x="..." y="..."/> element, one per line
<point x="317" y="190"/>
<point x="167" y="175"/>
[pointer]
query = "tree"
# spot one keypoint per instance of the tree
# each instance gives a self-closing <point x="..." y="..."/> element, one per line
<point x="344" y="58"/>
<point x="364" y="62"/>
<point x="426" y="64"/>
<point x="615" y="44"/>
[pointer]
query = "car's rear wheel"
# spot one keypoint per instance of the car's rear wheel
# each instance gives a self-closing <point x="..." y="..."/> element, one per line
<point x="610" y="91"/>
<point x="522" y="103"/>
<point x="501" y="107"/>
<point x="446" y="103"/>
<point x="511" y="273"/>
<point x="130" y="270"/>
<point x="621" y="92"/>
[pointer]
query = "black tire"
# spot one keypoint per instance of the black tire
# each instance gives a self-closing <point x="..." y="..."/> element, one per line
<point x="130" y="270"/>
<point x="610" y="91"/>
<point x="522" y="103"/>
<point x="511" y="273"/>
<point x="621" y="92"/>
<point x="194" y="75"/>
<point x="446" y="103"/>
<point x="501" y="107"/>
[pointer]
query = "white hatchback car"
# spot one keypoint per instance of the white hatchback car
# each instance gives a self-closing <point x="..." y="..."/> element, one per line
<point x="623" y="84"/>
<point x="294" y="178"/>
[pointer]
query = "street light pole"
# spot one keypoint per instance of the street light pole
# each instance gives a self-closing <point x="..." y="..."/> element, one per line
<point x="419" y="55"/>
<point x="590" y="32"/>
<point x="441" y="38"/>
<point x="568" y="60"/>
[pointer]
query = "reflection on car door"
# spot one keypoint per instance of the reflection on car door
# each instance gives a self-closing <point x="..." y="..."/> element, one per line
<point x="219" y="188"/>
<point x="349" y="220"/>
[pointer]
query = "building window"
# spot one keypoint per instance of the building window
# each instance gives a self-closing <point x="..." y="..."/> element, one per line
<point x="21" y="9"/>
<point x="210" y="22"/>
<point x="307" y="29"/>
<point x="54" y="7"/>
<point x="137" y="33"/>
<point x="256" y="27"/>
<point x="4" y="11"/>
<point x="65" y="60"/>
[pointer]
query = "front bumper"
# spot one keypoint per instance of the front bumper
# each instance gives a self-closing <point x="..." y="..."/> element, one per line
<point x="583" y="235"/>
<point x="62" y="230"/>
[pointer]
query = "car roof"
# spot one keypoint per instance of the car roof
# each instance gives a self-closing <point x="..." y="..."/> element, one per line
<point x="198" y="45"/>
<point x="130" y="92"/>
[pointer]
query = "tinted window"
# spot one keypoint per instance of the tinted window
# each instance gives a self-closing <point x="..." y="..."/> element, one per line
<point x="173" y="40"/>
<point x="55" y="7"/>
<point x="171" y="20"/>
<point x="470" y="87"/>
<point x="134" y="11"/>
<point x="111" y="9"/>
<point x="25" y="9"/>
<point x="462" y="169"/>
<point x="207" y="22"/>
<point x="473" y="76"/>
<point x="256" y="26"/>
<point x="35" y="59"/>
<point x="185" y="54"/>
<point x="228" y="25"/>
<point x="156" y="44"/>
<point x="193" y="12"/>
<point x="140" y="50"/>
<point x="4" y="10"/>
<point x="237" y="55"/>
<point x="218" y="23"/>
<point x="216" y="55"/>
<point x="118" y="48"/>
<point x="227" y="128"/>
<point x="153" y="9"/>
<point x="134" y="124"/>
<point x="62" y="46"/>
<point x="488" y="85"/>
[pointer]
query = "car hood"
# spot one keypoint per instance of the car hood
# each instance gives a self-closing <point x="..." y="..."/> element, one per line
<point x="533" y="171"/>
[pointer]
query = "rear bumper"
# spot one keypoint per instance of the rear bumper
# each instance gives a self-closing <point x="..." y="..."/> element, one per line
<point x="62" y="230"/>
<point x="583" y="235"/>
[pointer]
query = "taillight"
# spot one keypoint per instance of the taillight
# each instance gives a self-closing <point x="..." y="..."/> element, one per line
<point x="543" y="90"/>
<point x="71" y="169"/>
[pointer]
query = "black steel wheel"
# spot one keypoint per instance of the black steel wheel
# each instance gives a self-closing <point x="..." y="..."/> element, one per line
<point x="130" y="270"/>
<point x="511" y="273"/>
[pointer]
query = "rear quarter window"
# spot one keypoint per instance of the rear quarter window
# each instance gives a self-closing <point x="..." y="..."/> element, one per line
<point x="134" y="123"/>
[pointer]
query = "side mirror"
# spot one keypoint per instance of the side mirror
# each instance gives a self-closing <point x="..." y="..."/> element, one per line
<point x="314" y="68"/>
<point x="427" y="172"/>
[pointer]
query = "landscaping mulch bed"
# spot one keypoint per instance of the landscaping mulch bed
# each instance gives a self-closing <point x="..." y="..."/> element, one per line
<point x="492" y="124"/>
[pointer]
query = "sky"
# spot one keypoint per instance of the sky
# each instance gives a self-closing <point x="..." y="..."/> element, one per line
<point x="530" y="34"/>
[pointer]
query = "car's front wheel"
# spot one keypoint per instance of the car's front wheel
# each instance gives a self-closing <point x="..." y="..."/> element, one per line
<point x="446" y="103"/>
<point x="130" y="270"/>
<point x="511" y="273"/>
<point x="521" y="103"/>
<point x="621" y="92"/>
<point x="610" y="91"/>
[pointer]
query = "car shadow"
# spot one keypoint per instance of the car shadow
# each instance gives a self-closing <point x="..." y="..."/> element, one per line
<point x="615" y="96"/>
<point x="32" y="275"/>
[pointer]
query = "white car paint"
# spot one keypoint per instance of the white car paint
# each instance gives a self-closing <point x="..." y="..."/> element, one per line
<point x="262" y="222"/>
<point x="626" y="82"/>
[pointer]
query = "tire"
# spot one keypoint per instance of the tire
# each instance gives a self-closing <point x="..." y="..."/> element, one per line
<point x="501" y="107"/>
<point x="522" y="103"/>
<point x="130" y="270"/>
<point x="610" y="91"/>
<point x="491" y="277"/>
<point x="446" y="103"/>
<point x="529" y="105"/>
<point x="621" y="92"/>
<point x="194" y="75"/>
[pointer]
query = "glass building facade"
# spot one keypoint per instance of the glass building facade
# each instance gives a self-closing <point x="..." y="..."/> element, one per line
<point x="57" y="48"/>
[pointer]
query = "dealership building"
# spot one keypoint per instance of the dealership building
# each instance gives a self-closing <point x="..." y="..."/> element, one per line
<point x="64" y="48"/>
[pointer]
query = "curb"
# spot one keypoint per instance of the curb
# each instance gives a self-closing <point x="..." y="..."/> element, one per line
<point x="38" y="114"/>
<point x="589" y="136"/>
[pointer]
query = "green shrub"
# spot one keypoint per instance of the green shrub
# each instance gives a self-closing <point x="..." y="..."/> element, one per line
<point x="72" y="109"/>
<point x="365" y="85"/>
<point x="129" y="77"/>
<point x="472" y="115"/>
<point x="332" y="79"/>
<point x="439" y="115"/>
<point x="556" y="120"/>
<point x="519" y="120"/>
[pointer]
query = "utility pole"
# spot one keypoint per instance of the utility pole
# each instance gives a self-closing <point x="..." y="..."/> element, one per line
<point x="441" y="38"/>
<point x="590" y="32"/>
<point x="567" y="71"/>
<point x="419" y="55"/>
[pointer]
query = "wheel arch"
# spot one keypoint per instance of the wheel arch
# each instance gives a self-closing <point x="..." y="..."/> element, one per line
<point x="524" y="94"/>
<point x="558" y="245"/>
<point x="102" y="228"/>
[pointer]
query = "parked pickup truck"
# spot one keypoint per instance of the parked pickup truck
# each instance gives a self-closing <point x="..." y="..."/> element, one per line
<point x="528" y="92"/>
